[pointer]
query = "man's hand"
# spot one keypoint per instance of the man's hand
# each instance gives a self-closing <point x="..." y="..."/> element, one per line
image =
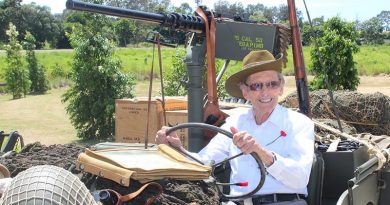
<point x="247" y="144"/>
<point x="172" y="139"/>
<point x="243" y="140"/>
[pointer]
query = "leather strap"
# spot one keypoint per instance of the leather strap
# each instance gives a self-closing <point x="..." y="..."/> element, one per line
<point x="128" y="197"/>
<point x="132" y="195"/>
<point x="211" y="109"/>
<point x="212" y="97"/>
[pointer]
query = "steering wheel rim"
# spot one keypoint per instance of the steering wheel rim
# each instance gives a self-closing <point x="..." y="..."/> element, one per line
<point x="230" y="135"/>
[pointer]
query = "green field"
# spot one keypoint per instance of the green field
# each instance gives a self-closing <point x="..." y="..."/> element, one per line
<point x="371" y="60"/>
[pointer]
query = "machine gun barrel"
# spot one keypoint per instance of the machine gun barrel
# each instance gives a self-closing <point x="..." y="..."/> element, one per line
<point x="369" y="167"/>
<point x="174" y="20"/>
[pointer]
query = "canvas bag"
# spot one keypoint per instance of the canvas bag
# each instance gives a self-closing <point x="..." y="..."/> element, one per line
<point x="145" y="165"/>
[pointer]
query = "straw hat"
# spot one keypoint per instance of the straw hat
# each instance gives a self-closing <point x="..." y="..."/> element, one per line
<point x="255" y="61"/>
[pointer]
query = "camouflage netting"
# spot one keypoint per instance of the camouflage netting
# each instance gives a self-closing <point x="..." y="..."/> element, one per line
<point x="368" y="113"/>
<point x="334" y="124"/>
<point x="175" y="192"/>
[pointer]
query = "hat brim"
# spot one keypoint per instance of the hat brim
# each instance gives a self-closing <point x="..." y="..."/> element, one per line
<point x="232" y="84"/>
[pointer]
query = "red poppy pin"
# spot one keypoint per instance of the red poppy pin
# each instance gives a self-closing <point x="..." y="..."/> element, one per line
<point x="282" y="134"/>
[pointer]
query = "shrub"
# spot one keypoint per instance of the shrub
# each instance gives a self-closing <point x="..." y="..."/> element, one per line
<point x="97" y="79"/>
<point x="333" y="62"/>
<point x="16" y="75"/>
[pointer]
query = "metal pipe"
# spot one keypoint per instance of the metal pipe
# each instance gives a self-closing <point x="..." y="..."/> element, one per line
<point x="220" y="74"/>
<point x="299" y="64"/>
<point x="222" y="71"/>
<point x="368" y="167"/>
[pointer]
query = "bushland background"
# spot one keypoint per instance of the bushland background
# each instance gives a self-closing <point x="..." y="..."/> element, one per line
<point x="43" y="118"/>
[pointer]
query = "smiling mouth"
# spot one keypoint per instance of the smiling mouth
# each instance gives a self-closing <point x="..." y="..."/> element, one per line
<point x="265" y="100"/>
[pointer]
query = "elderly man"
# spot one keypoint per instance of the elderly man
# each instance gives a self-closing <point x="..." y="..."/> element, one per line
<point x="284" y="139"/>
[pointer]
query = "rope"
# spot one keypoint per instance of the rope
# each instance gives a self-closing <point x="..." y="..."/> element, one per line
<point x="373" y="149"/>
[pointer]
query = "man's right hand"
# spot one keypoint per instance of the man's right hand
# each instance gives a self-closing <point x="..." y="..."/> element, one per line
<point x="172" y="139"/>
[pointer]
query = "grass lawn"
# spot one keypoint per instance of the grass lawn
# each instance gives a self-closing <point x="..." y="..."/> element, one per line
<point x="43" y="117"/>
<point x="37" y="118"/>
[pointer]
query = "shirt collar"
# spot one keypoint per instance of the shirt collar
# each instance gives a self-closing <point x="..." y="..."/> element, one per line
<point x="275" y="117"/>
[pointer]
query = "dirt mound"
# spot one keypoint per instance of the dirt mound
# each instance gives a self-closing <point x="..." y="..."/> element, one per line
<point x="367" y="113"/>
<point x="37" y="154"/>
<point x="174" y="192"/>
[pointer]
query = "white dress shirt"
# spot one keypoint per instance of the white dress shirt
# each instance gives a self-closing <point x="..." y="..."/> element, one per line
<point x="294" y="152"/>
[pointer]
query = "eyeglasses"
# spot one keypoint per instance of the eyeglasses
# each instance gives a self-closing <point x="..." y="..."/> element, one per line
<point x="258" y="86"/>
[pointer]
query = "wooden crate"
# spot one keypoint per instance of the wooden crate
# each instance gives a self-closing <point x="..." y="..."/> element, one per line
<point x="131" y="117"/>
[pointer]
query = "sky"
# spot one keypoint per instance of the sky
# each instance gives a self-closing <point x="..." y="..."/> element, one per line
<point x="349" y="10"/>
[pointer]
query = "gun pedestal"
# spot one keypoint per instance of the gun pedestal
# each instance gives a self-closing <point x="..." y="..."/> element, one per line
<point x="195" y="68"/>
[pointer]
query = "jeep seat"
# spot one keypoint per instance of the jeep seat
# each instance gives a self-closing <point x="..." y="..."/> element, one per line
<point x="314" y="187"/>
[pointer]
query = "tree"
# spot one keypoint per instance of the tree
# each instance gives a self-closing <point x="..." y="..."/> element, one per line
<point x="237" y="9"/>
<point x="62" y="40"/>
<point x="309" y="32"/>
<point x="222" y="7"/>
<point x="142" y="29"/>
<point x="258" y="16"/>
<point x="384" y="16"/>
<point x="29" y="17"/>
<point x="42" y="24"/>
<point x="184" y="8"/>
<point x="270" y="14"/>
<point x="97" y="79"/>
<point x="142" y="5"/>
<point x="282" y="13"/>
<point x="306" y="34"/>
<point x="10" y="12"/>
<point x="332" y="60"/>
<point x="175" y="79"/>
<point x="39" y="83"/>
<point x="16" y="75"/>
<point x="124" y="30"/>
<point x="372" y="31"/>
<point x="251" y="9"/>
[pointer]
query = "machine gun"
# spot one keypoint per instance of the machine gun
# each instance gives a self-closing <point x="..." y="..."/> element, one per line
<point x="233" y="40"/>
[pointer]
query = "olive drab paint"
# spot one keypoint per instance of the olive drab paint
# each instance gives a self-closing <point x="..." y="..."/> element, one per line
<point x="234" y="40"/>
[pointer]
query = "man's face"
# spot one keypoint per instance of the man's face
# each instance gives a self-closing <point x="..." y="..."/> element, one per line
<point x="263" y="90"/>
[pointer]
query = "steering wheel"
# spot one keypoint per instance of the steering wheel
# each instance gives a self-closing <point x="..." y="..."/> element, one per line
<point x="230" y="135"/>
